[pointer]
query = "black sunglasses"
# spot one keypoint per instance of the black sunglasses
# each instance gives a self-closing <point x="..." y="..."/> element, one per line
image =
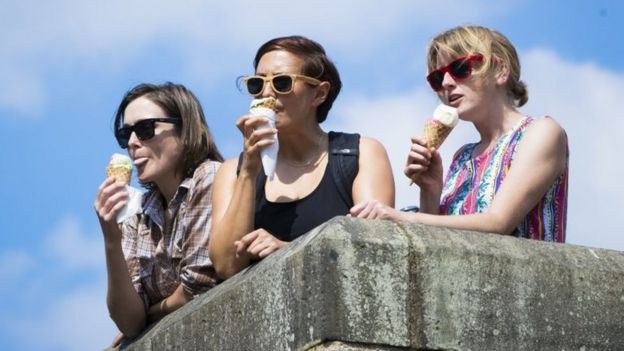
<point x="281" y="83"/>
<point x="144" y="130"/>
<point x="459" y="69"/>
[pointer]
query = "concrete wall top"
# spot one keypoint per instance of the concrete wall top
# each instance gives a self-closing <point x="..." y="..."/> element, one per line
<point x="376" y="285"/>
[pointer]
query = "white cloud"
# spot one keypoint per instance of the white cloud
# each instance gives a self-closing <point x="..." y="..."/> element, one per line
<point x="584" y="98"/>
<point x="15" y="264"/>
<point x="393" y="120"/>
<point x="581" y="96"/>
<point x="108" y="35"/>
<point x="73" y="248"/>
<point x="75" y="321"/>
<point x="63" y="300"/>
<point x="21" y="90"/>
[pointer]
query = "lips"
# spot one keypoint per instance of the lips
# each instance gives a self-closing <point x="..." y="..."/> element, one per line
<point x="453" y="99"/>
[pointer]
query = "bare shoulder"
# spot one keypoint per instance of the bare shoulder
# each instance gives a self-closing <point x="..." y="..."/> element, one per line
<point x="544" y="137"/>
<point x="224" y="182"/>
<point x="545" y="127"/>
<point x="370" y="145"/>
<point x="228" y="169"/>
<point x="373" y="154"/>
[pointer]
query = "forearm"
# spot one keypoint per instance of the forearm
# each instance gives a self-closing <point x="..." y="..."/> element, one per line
<point x="481" y="222"/>
<point x="124" y="304"/>
<point x="430" y="201"/>
<point x="167" y="305"/>
<point x="237" y="221"/>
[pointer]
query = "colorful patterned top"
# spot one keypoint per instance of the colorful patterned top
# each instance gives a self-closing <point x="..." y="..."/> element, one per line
<point x="472" y="182"/>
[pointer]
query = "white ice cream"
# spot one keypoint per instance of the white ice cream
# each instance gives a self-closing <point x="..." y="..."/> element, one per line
<point x="120" y="160"/>
<point x="446" y="115"/>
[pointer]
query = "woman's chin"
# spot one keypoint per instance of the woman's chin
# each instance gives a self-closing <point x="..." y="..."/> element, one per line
<point x="144" y="178"/>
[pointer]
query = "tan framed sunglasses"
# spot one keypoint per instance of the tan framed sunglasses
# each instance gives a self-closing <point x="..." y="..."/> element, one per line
<point x="281" y="83"/>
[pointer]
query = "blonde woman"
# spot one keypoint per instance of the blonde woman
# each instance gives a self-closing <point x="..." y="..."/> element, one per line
<point x="513" y="181"/>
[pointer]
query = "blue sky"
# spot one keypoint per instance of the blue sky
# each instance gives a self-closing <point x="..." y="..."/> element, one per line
<point x="66" y="64"/>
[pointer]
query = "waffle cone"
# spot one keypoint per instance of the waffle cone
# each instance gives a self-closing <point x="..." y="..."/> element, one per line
<point x="265" y="102"/>
<point x="120" y="173"/>
<point x="436" y="133"/>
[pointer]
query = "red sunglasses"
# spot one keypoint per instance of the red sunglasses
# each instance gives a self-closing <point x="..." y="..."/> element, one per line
<point x="459" y="69"/>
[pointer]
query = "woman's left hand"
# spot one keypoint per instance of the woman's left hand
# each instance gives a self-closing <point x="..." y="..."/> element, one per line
<point x="258" y="244"/>
<point x="373" y="209"/>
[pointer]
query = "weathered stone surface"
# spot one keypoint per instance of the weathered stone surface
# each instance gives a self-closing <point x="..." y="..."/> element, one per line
<point x="343" y="346"/>
<point x="378" y="285"/>
<point x="487" y="292"/>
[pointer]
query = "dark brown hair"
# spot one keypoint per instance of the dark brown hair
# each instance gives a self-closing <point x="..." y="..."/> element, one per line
<point x="316" y="64"/>
<point x="179" y="102"/>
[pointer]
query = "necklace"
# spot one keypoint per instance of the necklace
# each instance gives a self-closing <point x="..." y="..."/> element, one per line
<point x="310" y="162"/>
<point x="313" y="161"/>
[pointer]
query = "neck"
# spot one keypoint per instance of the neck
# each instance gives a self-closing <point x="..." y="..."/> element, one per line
<point x="303" y="148"/>
<point x="168" y="188"/>
<point x="495" y="121"/>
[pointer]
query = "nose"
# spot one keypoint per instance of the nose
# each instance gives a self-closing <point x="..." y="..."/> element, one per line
<point x="448" y="81"/>
<point x="267" y="89"/>
<point x="134" y="141"/>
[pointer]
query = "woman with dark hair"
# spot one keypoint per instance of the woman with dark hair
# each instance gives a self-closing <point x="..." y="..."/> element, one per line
<point x="511" y="182"/>
<point x="157" y="260"/>
<point x="318" y="175"/>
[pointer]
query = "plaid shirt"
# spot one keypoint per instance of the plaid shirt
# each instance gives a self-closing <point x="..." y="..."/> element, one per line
<point x="166" y="247"/>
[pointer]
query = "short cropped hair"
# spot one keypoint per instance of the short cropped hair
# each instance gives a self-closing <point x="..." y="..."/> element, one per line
<point x="316" y="64"/>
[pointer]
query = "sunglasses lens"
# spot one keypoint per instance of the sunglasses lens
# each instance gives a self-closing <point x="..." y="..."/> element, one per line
<point x="460" y="69"/>
<point x="282" y="84"/>
<point x="435" y="79"/>
<point x="144" y="129"/>
<point x="123" y="135"/>
<point x="255" y="85"/>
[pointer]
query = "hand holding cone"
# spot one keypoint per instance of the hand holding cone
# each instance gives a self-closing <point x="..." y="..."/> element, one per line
<point x="444" y="119"/>
<point x="266" y="107"/>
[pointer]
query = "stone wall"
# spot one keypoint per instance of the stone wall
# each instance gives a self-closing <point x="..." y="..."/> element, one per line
<point x="376" y="285"/>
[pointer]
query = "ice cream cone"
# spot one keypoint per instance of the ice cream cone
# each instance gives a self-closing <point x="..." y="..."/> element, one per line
<point x="263" y="103"/>
<point x="121" y="174"/>
<point x="436" y="133"/>
<point x="444" y="119"/>
<point x="120" y="167"/>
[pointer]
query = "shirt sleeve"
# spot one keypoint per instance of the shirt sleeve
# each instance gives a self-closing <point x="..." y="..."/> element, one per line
<point x="129" y="242"/>
<point x="197" y="273"/>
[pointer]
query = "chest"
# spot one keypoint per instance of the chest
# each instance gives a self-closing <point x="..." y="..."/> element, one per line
<point x="292" y="183"/>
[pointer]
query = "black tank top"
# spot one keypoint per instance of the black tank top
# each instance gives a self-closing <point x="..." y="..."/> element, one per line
<point x="289" y="220"/>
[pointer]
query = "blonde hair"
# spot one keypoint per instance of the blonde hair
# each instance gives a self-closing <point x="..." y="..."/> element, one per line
<point x="492" y="45"/>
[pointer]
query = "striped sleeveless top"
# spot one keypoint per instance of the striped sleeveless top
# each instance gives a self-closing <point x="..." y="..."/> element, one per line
<point x="472" y="182"/>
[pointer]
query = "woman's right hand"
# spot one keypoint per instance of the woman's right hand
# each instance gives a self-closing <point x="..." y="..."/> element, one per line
<point x="258" y="244"/>
<point x="111" y="197"/>
<point x="424" y="166"/>
<point x="256" y="137"/>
